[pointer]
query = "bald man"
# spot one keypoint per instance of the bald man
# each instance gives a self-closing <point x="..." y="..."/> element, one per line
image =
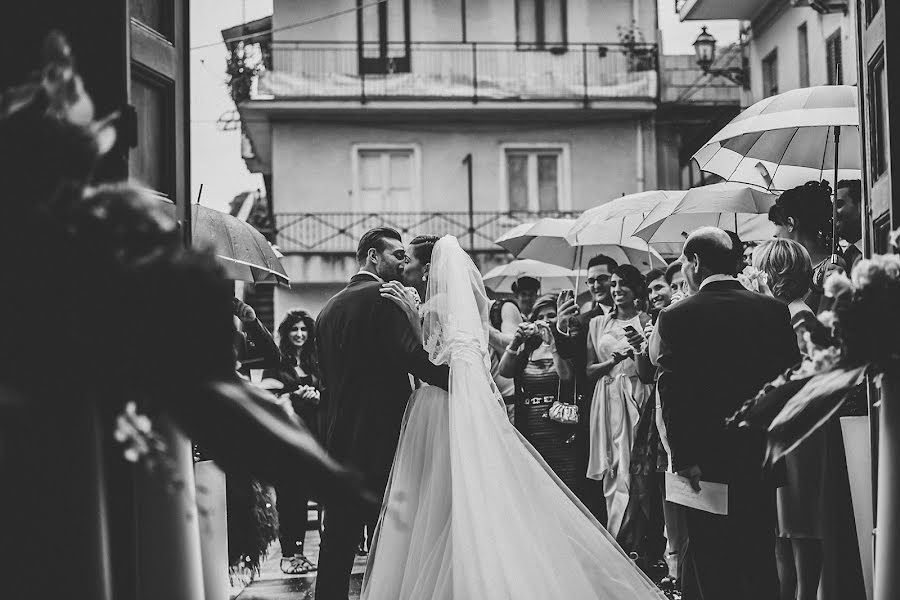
<point x="716" y="348"/>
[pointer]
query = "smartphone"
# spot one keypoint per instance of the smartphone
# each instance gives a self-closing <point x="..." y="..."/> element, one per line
<point x="630" y="329"/>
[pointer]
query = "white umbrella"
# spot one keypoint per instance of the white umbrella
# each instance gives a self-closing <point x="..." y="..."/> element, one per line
<point x="546" y="237"/>
<point x="552" y="277"/>
<point x="546" y="241"/>
<point x="786" y="140"/>
<point x="593" y="226"/>
<point x="730" y="206"/>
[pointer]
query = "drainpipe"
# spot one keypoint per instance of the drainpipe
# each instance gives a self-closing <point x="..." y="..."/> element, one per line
<point x="639" y="158"/>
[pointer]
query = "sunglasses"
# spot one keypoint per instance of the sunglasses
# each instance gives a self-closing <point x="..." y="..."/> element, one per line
<point x="600" y="279"/>
<point x="399" y="255"/>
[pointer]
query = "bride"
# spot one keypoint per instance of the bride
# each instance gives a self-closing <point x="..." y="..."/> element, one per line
<point x="471" y="511"/>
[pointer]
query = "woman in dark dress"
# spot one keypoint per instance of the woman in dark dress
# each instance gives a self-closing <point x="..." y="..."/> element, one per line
<point x="541" y="378"/>
<point x="298" y="372"/>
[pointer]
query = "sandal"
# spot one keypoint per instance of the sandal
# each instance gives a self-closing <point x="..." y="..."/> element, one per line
<point x="296" y="565"/>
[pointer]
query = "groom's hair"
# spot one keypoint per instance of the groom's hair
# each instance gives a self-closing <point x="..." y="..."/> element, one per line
<point x="714" y="247"/>
<point x="423" y="246"/>
<point x="374" y="238"/>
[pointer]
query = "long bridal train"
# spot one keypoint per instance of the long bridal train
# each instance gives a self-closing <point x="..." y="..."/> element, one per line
<point x="471" y="510"/>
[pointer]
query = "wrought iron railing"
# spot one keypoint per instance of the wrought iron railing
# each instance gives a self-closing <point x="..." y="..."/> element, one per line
<point x="474" y="71"/>
<point x="324" y="233"/>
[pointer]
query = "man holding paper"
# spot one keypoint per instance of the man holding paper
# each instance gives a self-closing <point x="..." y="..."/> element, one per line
<point x="716" y="349"/>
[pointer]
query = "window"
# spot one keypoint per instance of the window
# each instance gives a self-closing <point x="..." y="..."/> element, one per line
<point x="803" y="55"/>
<point x="872" y="8"/>
<point x="534" y="178"/>
<point x="541" y="23"/>
<point x="877" y="108"/>
<point x="383" y="36"/>
<point x="770" y="74"/>
<point x="386" y="178"/>
<point x="835" y="58"/>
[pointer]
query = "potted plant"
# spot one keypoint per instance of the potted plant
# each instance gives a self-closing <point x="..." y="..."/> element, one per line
<point x="640" y="55"/>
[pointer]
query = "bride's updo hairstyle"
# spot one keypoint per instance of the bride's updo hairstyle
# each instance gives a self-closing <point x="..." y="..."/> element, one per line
<point x="423" y="247"/>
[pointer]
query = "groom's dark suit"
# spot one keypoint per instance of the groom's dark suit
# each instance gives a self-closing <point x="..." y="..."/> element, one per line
<point x="717" y="348"/>
<point x="366" y="349"/>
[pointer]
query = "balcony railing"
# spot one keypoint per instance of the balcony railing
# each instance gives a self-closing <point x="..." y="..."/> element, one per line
<point x="339" y="233"/>
<point x="469" y="72"/>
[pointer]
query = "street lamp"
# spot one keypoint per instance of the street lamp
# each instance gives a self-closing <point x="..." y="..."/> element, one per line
<point x="705" y="49"/>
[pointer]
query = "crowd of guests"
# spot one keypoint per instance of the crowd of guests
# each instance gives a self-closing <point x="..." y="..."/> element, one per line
<point x="652" y="386"/>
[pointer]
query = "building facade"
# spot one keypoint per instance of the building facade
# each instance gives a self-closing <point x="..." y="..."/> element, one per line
<point x="465" y="117"/>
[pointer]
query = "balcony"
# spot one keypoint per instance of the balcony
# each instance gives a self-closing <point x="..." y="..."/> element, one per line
<point x="472" y="73"/>
<point x="339" y="233"/>
<point x="743" y="10"/>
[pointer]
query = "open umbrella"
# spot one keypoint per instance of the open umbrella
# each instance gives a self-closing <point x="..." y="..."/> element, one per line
<point x="553" y="278"/>
<point x="730" y="206"/>
<point x="241" y="250"/>
<point x="786" y="140"/>
<point x="593" y="224"/>
<point x="546" y="242"/>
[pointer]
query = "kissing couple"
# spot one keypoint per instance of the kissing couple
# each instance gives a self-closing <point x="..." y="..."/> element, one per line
<point x="471" y="511"/>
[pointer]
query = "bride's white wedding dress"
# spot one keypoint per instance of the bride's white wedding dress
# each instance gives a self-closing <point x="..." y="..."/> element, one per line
<point x="471" y="510"/>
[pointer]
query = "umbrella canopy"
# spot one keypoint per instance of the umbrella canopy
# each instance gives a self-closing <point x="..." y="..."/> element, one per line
<point x="595" y="224"/>
<point x="241" y="250"/>
<point x="730" y="206"/>
<point x="546" y="237"/>
<point x="548" y="244"/>
<point x="552" y="277"/>
<point x="786" y="140"/>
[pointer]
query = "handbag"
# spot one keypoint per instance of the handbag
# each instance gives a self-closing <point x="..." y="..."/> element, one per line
<point x="564" y="412"/>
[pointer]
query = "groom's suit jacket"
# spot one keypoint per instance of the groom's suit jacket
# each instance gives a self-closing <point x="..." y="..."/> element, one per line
<point x="717" y="348"/>
<point x="366" y="349"/>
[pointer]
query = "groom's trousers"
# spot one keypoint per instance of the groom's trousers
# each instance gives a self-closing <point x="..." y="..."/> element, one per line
<point x="340" y="538"/>
<point x="733" y="557"/>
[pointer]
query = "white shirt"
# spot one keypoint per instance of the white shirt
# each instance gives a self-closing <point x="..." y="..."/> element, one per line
<point x="718" y="277"/>
<point x="372" y="275"/>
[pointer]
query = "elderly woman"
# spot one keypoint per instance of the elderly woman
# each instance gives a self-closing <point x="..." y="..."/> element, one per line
<point x="542" y="377"/>
<point x="801" y="503"/>
<point x="619" y="394"/>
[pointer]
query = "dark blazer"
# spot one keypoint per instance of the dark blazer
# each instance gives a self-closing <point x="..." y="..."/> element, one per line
<point x="366" y="349"/>
<point x="717" y="349"/>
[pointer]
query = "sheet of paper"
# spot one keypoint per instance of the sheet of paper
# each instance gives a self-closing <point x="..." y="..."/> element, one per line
<point x="712" y="497"/>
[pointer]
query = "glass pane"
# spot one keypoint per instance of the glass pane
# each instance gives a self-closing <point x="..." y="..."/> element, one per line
<point x="370" y="170"/>
<point x="770" y="74"/>
<point x="396" y="12"/>
<point x="803" y="54"/>
<point x="517" y="181"/>
<point x="155" y="14"/>
<point x="150" y="162"/>
<point x="554" y="23"/>
<point x="401" y="170"/>
<point x="877" y="107"/>
<point x="833" y="54"/>
<point x="526" y="31"/>
<point x="370" y="28"/>
<point x="548" y="181"/>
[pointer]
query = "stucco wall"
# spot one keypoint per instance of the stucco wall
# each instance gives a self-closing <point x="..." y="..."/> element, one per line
<point x="487" y="20"/>
<point x="782" y="33"/>
<point x="312" y="161"/>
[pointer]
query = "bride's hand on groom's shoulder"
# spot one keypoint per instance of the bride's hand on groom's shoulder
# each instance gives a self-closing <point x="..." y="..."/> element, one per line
<point x="399" y="295"/>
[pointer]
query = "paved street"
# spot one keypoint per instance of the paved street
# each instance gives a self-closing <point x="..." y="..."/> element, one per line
<point x="272" y="584"/>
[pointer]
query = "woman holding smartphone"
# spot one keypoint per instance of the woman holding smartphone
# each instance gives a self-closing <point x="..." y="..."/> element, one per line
<point x="532" y="360"/>
<point x="619" y="394"/>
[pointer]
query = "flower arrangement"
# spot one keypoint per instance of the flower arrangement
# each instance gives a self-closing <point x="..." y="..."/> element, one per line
<point x="641" y="56"/>
<point x="753" y="279"/>
<point x="865" y="339"/>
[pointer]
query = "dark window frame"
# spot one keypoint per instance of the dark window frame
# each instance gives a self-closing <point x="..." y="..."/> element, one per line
<point x="803" y="53"/>
<point x="834" y="48"/>
<point x="384" y="63"/>
<point x="770" y="69"/>
<point x="540" y="32"/>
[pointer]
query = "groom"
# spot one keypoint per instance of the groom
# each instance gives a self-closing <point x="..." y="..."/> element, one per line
<point x="366" y="349"/>
<point x="716" y="349"/>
